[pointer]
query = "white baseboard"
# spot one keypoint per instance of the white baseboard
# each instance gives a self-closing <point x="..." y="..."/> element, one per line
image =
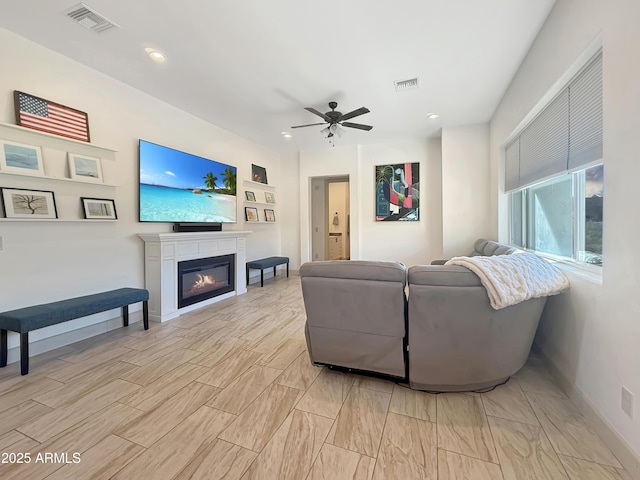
<point x="43" y="345"/>
<point x="620" y="448"/>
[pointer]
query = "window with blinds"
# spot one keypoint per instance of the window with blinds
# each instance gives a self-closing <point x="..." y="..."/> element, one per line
<point x="565" y="136"/>
<point x="554" y="173"/>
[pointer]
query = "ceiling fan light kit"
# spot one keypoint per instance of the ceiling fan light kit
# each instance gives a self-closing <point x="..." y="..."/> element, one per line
<point x="334" y="120"/>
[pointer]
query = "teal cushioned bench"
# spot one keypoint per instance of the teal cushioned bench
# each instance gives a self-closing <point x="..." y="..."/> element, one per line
<point x="24" y="320"/>
<point x="268" y="262"/>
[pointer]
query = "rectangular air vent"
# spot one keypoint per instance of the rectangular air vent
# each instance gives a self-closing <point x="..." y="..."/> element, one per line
<point x="89" y="18"/>
<point x="410" y="84"/>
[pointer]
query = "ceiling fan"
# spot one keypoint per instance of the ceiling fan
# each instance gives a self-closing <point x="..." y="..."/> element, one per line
<point x="336" y="120"/>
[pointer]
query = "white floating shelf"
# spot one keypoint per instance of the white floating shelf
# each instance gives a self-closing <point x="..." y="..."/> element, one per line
<point x="29" y="136"/>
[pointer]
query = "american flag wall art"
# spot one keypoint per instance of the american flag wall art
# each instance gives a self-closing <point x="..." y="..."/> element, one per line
<point x="40" y="114"/>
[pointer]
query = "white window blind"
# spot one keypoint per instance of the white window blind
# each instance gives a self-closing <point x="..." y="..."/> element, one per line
<point x="585" y="113"/>
<point x="512" y="165"/>
<point x="566" y="135"/>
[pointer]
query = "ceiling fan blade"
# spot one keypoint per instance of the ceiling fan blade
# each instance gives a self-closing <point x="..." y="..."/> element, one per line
<point x="355" y="113"/>
<point x="309" y="125"/>
<point x="357" y="125"/>
<point x="313" y="110"/>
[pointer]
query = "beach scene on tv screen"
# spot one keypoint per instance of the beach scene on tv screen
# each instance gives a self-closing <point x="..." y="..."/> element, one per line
<point x="179" y="187"/>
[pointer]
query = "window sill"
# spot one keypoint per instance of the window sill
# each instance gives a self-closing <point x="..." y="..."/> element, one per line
<point x="590" y="273"/>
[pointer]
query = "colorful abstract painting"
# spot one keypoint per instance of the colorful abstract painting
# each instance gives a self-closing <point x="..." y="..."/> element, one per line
<point x="398" y="192"/>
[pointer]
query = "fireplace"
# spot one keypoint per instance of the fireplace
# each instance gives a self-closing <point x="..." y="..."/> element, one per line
<point x="205" y="278"/>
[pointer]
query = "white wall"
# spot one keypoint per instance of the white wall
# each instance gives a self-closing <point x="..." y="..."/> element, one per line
<point x="412" y="243"/>
<point x="288" y="201"/>
<point x="466" y="195"/>
<point x="592" y="334"/>
<point x="329" y="162"/>
<point x="409" y="242"/>
<point x="47" y="261"/>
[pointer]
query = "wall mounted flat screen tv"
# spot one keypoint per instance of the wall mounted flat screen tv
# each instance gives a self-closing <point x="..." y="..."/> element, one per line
<point x="179" y="187"/>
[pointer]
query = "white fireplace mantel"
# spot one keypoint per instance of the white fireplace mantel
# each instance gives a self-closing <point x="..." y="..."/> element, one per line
<point x="163" y="251"/>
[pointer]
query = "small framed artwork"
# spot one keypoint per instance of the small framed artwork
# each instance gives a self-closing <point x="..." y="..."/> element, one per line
<point x="269" y="215"/>
<point x="258" y="174"/>
<point x="251" y="214"/>
<point x="99" y="208"/>
<point x="23" y="203"/>
<point x="270" y="197"/>
<point x="21" y="158"/>
<point x="251" y="197"/>
<point x="84" y="168"/>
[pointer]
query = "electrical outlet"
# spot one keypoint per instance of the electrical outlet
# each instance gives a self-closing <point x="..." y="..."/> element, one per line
<point x="627" y="402"/>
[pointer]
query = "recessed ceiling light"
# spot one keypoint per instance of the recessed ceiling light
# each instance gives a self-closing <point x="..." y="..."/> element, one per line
<point x="286" y="135"/>
<point x="156" y="55"/>
<point x="432" y="116"/>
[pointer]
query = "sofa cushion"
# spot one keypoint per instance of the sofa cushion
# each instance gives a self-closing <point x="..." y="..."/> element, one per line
<point x="489" y="247"/>
<point x="356" y="270"/>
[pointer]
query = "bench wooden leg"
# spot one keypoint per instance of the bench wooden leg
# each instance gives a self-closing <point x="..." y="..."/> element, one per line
<point x="274" y="272"/>
<point x="287" y="269"/>
<point x="125" y="316"/>
<point x="247" y="276"/>
<point x="261" y="277"/>
<point x="24" y="353"/>
<point x="3" y="348"/>
<point x="145" y="314"/>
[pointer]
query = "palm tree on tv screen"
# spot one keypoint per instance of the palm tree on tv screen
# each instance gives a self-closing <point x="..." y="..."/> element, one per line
<point x="229" y="180"/>
<point x="210" y="181"/>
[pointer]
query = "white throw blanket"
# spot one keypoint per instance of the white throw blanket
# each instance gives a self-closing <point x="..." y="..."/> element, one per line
<point x="511" y="279"/>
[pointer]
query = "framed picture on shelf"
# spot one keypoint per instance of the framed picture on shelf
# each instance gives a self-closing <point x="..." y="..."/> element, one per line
<point x="99" y="208"/>
<point x="21" y="158"/>
<point x="270" y="197"/>
<point x="40" y="114"/>
<point x="23" y="203"/>
<point x="269" y="215"/>
<point x="251" y="214"/>
<point x="251" y="197"/>
<point x="84" y="168"/>
<point x="258" y="174"/>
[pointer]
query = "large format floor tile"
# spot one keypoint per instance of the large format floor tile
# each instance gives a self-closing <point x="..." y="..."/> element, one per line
<point x="408" y="450"/>
<point x="361" y="421"/>
<point x="568" y="430"/>
<point x="463" y="427"/>
<point x="525" y="452"/>
<point x="228" y="391"/>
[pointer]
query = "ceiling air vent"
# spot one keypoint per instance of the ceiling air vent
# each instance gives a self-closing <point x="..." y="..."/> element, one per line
<point x="90" y="19"/>
<point x="410" y="84"/>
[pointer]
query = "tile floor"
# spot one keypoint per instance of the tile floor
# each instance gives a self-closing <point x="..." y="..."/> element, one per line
<point x="228" y="392"/>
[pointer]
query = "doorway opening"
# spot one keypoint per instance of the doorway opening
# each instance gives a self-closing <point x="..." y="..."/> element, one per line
<point x="330" y="218"/>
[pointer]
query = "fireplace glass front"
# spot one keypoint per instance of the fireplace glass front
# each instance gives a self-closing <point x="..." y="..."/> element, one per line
<point x="205" y="278"/>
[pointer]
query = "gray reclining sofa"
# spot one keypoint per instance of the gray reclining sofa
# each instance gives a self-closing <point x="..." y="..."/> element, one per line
<point x="447" y="337"/>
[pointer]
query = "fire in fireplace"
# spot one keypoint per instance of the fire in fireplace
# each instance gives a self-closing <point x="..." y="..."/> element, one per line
<point x="205" y="278"/>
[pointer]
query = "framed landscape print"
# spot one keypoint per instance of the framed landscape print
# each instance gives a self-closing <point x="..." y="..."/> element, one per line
<point x="99" y="208"/>
<point x="269" y="215"/>
<point x="20" y="158"/>
<point x="84" y="168"/>
<point x="397" y="196"/>
<point x="251" y="197"/>
<point x="270" y="197"/>
<point x="258" y="174"/>
<point x="23" y="203"/>
<point x="251" y="214"/>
